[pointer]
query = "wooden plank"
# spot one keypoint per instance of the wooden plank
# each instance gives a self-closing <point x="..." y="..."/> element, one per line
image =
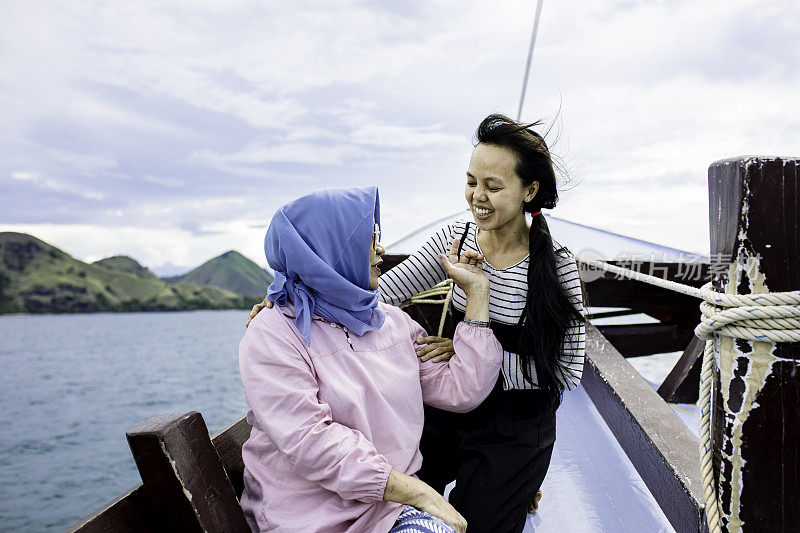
<point x="610" y="292"/>
<point x="682" y="384"/>
<point x="131" y="512"/>
<point x="228" y="443"/>
<point x="689" y="390"/>
<point x="662" y="449"/>
<point x="391" y="260"/>
<point x="634" y="340"/>
<point x="183" y="474"/>
<point x="610" y="314"/>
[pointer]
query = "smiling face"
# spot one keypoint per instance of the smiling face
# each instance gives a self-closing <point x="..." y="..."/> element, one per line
<point x="375" y="253"/>
<point x="494" y="192"/>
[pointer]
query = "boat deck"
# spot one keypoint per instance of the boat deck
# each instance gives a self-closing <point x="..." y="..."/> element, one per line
<point x="592" y="485"/>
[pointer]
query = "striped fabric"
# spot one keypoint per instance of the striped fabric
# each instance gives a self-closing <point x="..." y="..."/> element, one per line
<point x="412" y="520"/>
<point x="422" y="271"/>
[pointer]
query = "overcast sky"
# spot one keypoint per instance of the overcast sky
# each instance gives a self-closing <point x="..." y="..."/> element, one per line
<point x="172" y="131"/>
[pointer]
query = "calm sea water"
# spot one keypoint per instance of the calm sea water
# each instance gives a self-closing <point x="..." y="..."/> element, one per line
<point x="71" y="386"/>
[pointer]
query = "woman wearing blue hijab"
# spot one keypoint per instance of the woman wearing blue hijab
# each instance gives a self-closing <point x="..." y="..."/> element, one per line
<point x="333" y="384"/>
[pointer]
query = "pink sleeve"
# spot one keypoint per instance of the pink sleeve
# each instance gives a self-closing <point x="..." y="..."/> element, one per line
<point x="281" y="390"/>
<point x="463" y="382"/>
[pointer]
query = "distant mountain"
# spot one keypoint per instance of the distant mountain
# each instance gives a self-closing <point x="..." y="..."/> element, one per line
<point x="123" y="263"/>
<point x="231" y="271"/>
<point x="36" y="277"/>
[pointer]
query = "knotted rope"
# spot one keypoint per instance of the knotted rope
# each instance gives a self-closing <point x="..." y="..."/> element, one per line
<point x="767" y="317"/>
<point x="444" y="291"/>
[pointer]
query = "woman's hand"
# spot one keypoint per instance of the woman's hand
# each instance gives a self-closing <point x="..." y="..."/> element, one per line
<point x="468" y="273"/>
<point x="257" y="309"/>
<point x="533" y="507"/>
<point x="436" y="348"/>
<point x="409" y="490"/>
<point x="466" y="270"/>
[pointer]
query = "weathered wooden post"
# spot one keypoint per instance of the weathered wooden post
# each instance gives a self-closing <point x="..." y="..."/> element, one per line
<point x="755" y="245"/>
<point x="184" y="476"/>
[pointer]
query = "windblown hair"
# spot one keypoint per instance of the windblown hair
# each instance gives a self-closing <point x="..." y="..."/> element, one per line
<point x="548" y="310"/>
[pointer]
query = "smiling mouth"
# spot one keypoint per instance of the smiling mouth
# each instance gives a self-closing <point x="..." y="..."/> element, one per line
<point x="482" y="212"/>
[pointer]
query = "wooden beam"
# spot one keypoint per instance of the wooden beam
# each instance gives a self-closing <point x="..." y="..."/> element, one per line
<point x="392" y="260"/>
<point x="755" y="238"/>
<point x="132" y="512"/>
<point x="610" y="292"/>
<point x="662" y="449"/>
<point x="634" y="340"/>
<point x="610" y="314"/>
<point x="183" y="475"/>
<point x="694" y="273"/>
<point x="228" y="443"/>
<point x="682" y="384"/>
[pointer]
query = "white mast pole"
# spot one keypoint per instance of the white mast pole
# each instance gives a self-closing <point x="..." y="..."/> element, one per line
<point x="530" y="56"/>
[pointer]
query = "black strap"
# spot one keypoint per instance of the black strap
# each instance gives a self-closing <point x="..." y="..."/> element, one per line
<point x="461" y="242"/>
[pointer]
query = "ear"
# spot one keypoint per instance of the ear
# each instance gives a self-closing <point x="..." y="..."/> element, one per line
<point x="531" y="191"/>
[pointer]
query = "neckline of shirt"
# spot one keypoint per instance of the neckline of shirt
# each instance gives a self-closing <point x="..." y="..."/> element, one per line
<point x="474" y="233"/>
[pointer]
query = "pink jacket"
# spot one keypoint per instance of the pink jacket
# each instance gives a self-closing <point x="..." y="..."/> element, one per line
<point x="330" y="421"/>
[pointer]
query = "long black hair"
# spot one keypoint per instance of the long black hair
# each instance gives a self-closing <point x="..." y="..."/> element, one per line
<point x="548" y="310"/>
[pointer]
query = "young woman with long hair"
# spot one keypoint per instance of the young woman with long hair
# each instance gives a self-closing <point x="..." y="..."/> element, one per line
<point x="499" y="453"/>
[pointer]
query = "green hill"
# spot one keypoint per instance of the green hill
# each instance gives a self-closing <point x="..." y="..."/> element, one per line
<point x="231" y="271"/>
<point x="36" y="277"/>
<point x="123" y="263"/>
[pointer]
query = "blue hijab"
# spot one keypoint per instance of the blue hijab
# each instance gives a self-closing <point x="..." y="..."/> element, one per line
<point x="319" y="248"/>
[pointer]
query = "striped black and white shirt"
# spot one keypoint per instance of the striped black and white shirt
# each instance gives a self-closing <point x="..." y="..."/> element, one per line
<point x="508" y="291"/>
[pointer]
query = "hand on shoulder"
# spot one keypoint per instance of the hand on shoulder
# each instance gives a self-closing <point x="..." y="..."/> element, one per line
<point x="257" y="309"/>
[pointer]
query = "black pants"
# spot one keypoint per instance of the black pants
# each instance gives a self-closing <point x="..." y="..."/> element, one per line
<point x="498" y="455"/>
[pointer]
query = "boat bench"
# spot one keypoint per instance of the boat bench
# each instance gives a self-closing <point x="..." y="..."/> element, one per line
<point x="193" y="481"/>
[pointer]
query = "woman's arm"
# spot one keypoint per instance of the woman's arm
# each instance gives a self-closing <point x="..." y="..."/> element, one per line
<point x="574" y="345"/>
<point x="409" y="490"/>
<point x="282" y="392"/>
<point x="463" y="382"/>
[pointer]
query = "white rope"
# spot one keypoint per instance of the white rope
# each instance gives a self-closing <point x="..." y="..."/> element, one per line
<point x="445" y="289"/>
<point x="768" y="317"/>
<point x="706" y="448"/>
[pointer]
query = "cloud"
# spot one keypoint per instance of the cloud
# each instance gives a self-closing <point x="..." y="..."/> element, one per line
<point x="196" y="120"/>
<point x="360" y="138"/>
<point x="55" y="185"/>
<point x="405" y="137"/>
<point x="169" y="183"/>
<point x="262" y="151"/>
